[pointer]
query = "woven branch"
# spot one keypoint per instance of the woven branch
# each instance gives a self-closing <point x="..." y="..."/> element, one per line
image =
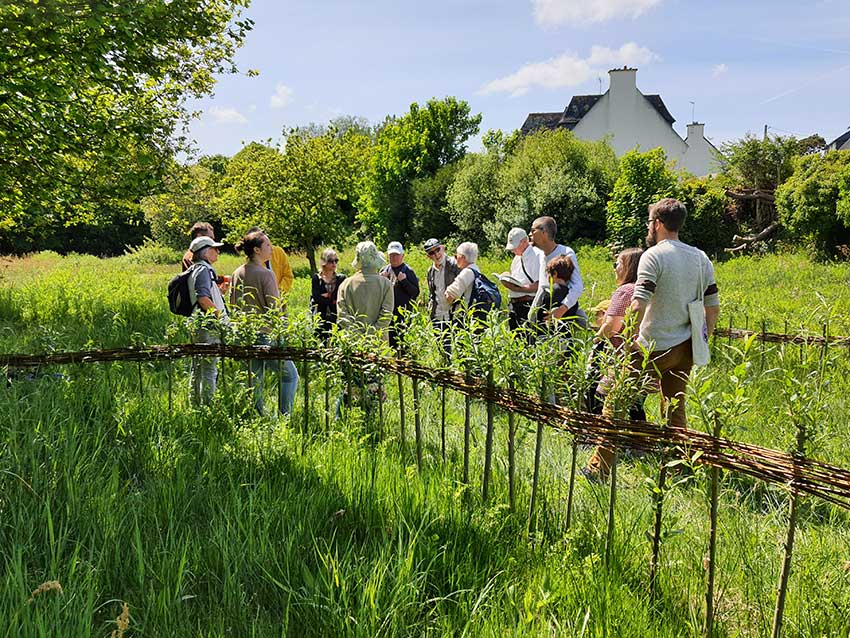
<point x="797" y="473"/>
<point x="776" y="337"/>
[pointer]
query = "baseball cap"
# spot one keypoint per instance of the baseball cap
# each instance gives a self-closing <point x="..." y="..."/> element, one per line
<point x="395" y="247"/>
<point x="515" y="237"/>
<point x="431" y="244"/>
<point x="199" y="243"/>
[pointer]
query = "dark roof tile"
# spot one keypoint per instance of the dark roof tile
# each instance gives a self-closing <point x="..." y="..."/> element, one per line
<point x="537" y="121"/>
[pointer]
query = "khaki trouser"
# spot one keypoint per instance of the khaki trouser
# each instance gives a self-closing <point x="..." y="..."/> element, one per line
<point x="672" y="367"/>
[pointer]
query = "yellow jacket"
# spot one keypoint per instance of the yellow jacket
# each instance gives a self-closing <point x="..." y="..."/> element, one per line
<point x="281" y="269"/>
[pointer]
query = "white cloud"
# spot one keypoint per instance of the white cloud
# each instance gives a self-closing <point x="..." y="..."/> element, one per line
<point x="557" y="12"/>
<point x="718" y="69"/>
<point x="227" y="115"/>
<point x="569" y="69"/>
<point x="281" y="98"/>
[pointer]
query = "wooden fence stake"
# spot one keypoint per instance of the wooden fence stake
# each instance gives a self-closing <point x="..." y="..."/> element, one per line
<point x="488" y="444"/>
<point x="417" y="423"/>
<point x="381" y="409"/>
<point x="306" y="427"/>
<point x="712" y="540"/>
<point x="658" y="503"/>
<point x="443" y="422"/>
<point x="572" y="482"/>
<point x="536" y="474"/>
<point x="401" y="433"/>
<point x="788" y="546"/>
<point x="612" y="498"/>
<point x="170" y="386"/>
<point x="512" y="459"/>
<point x="141" y="382"/>
<point x="327" y="400"/>
<point x="467" y="408"/>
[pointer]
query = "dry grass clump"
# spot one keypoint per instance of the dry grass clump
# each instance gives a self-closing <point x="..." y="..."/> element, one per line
<point x="50" y="585"/>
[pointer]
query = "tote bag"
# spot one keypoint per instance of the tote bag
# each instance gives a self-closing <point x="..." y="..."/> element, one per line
<point x="699" y="329"/>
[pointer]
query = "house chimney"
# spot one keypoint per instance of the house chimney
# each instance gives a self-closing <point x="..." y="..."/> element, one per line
<point x="622" y="81"/>
<point x="696" y="130"/>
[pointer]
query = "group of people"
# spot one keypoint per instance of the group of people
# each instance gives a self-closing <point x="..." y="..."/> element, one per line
<point x="654" y="288"/>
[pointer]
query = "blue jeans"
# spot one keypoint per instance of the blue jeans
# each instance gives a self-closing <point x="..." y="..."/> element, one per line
<point x="288" y="380"/>
<point x="204" y="371"/>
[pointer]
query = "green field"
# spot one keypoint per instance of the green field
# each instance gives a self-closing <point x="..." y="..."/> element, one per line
<point x="220" y="523"/>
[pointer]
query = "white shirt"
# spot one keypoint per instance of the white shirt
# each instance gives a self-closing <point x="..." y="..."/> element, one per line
<point x="525" y="268"/>
<point x="461" y="287"/>
<point x="575" y="283"/>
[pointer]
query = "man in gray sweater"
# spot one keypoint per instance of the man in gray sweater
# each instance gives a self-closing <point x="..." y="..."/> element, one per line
<point x="671" y="274"/>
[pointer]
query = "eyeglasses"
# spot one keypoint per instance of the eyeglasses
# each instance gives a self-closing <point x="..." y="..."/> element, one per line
<point x="533" y="230"/>
<point x="434" y="252"/>
<point x="331" y="261"/>
<point x="650" y="221"/>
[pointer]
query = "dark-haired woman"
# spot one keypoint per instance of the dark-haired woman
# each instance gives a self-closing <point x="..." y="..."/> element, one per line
<point x="324" y="292"/>
<point x="254" y="289"/>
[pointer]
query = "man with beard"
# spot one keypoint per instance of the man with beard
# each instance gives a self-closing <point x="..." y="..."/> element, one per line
<point x="670" y="275"/>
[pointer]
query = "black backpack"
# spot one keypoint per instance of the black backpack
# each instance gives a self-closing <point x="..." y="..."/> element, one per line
<point x="179" y="295"/>
<point x="485" y="296"/>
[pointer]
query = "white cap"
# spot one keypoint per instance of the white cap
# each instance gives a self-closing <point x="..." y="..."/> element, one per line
<point x="199" y="243"/>
<point x="395" y="247"/>
<point x="515" y="238"/>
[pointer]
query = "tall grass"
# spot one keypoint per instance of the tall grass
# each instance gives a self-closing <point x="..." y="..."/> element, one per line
<point x="219" y="523"/>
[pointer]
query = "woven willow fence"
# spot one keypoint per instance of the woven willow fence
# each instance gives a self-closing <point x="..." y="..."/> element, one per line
<point x="795" y="472"/>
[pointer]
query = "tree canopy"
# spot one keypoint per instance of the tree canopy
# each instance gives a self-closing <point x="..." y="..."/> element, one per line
<point x="92" y="98"/>
<point x="414" y="145"/>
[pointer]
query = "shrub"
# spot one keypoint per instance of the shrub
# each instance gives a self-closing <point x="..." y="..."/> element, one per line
<point x="644" y="178"/>
<point x="814" y="203"/>
<point x="709" y="226"/>
<point x="554" y="173"/>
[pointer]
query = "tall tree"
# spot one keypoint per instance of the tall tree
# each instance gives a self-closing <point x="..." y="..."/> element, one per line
<point x="414" y="145"/>
<point x="92" y="98"/>
<point x="764" y="163"/>
<point x="297" y="195"/>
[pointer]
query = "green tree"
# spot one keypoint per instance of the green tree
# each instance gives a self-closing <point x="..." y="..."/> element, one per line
<point x="764" y="163"/>
<point x="296" y="195"/>
<point x="473" y="198"/>
<point x="189" y="197"/>
<point x="431" y="216"/>
<point x="92" y="100"/>
<point x="412" y="146"/>
<point x="814" y="203"/>
<point x="709" y="226"/>
<point x="553" y="173"/>
<point x="644" y="178"/>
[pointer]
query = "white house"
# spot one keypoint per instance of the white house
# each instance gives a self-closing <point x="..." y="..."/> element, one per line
<point x="840" y="143"/>
<point x="630" y="119"/>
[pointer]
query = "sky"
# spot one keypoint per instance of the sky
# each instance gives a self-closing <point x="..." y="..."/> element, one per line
<point x="734" y="65"/>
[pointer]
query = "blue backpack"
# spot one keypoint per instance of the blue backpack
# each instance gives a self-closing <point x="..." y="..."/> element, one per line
<point x="485" y="296"/>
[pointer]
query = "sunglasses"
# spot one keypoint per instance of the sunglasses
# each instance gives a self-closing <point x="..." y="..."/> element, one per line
<point x="435" y="251"/>
<point x="332" y="261"/>
<point x="650" y="221"/>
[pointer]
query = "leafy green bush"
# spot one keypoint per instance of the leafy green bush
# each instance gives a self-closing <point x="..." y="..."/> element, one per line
<point x="553" y="173"/>
<point x="431" y="217"/>
<point x="644" y="178"/>
<point x="814" y="203"/>
<point x="709" y="226"/>
<point x="151" y="252"/>
<point x="473" y="197"/>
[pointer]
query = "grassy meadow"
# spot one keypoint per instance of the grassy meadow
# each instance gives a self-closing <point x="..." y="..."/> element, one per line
<point x="219" y="523"/>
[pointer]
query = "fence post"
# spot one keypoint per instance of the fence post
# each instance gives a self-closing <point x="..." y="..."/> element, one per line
<point x="417" y="423"/>
<point x="612" y="498"/>
<point x="511" y="457"/>
<point x="763" y="343"/>
<point x="443" y="421"/>
<point x="572" y="482"/>
<point x="537" y="449"/>
<point x="488" y="442"/>
<point x="141" y="382"/>
<point x="327" y="400"/>
<point x="788" y="545"/>
<point x="467" y="408"/>
<point x="170" y="385"/>
<point x="381" y="408"/>
<point x="401" y="433"/>
<point x="712" y="539"/>
<point x="306" y="427"/>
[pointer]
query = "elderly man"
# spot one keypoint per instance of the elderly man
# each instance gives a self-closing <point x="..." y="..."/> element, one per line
<point x="440" y="276"/>
<point x="525" y="268"/>
<point x="207" y="300"/>
<point x="405" y="287"/>
<point x="542" y="236"/>
<point x="670" y="276"/>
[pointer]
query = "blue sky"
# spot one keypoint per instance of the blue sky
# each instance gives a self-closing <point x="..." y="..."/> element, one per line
<point x="743" y="64"/>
